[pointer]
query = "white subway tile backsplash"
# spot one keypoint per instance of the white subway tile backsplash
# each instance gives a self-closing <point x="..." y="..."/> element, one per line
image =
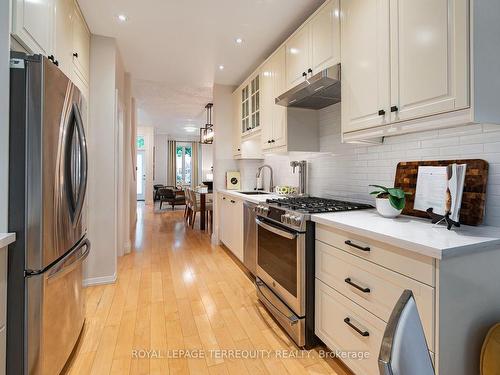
<point x="345" y="170"/>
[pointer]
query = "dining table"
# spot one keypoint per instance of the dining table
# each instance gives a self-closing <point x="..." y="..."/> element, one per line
<point x="203" y="192"/>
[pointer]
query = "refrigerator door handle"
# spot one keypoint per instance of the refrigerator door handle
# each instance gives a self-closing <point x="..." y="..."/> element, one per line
<point x="70" y="261"/>
<point x="81" y="185"/>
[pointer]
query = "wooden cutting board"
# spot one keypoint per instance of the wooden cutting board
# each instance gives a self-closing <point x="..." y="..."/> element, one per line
<point x="474" y="196"/>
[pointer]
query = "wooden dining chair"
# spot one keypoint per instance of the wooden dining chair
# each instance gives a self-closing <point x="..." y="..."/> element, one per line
<point x="195" y="207"/>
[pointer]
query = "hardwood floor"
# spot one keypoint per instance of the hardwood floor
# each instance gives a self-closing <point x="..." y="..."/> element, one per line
<point x="176" y="292"/>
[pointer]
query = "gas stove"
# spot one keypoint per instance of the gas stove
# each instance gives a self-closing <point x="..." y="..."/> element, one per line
<point x="295" y="211"/>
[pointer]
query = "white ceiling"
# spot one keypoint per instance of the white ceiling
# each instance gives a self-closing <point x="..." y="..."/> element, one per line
<point x="173" y="48"/>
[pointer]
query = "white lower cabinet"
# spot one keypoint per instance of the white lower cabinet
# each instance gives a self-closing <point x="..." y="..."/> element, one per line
<point x="353" y="332"/>
<point x="231" y="224"/>
<point x="381" y="287"/>
<point x="358" y="282"/>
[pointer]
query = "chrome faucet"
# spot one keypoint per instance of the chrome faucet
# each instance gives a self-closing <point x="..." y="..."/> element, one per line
<point x="302" y="165"/>
<point x="271" y="182"/>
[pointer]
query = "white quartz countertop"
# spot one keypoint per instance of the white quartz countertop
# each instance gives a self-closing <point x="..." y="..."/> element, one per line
<point x="258" y="198"/>
<point x="6" y="239"/>
<point x="414" y="234"/>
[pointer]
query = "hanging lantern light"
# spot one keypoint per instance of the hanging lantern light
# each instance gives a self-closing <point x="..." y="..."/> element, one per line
<point x="207" y="132"/>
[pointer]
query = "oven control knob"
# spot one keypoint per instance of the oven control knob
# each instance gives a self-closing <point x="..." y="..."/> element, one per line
<point x="286" y="218"/>
<point x="296" y="220"/>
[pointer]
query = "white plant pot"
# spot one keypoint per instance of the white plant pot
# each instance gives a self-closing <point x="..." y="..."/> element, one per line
<point x="385" y="208"/>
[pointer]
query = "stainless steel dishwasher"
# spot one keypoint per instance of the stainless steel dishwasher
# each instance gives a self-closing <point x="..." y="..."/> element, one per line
<point x="250" y="240"/>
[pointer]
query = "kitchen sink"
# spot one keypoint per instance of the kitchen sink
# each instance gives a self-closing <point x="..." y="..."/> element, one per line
<point x="254" y="192"/>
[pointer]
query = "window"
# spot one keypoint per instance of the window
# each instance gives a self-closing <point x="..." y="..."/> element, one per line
<point x="183" y="164"/>
<point x="140" y="142"/>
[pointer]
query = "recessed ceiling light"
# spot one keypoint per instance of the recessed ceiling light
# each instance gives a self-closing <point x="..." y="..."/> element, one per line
<point x="221" y="67"/>
<point x="190" y="129"/>
<point x="238" y="40"/>
<point x="122" y="17"/>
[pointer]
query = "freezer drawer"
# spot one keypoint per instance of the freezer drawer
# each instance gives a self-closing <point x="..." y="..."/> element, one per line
<point x="56" y="308"/>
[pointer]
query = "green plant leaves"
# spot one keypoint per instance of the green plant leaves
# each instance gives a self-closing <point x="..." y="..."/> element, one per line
<point x="397" y="197"/>
<point x="381" y="187"/>
<point x="397" y="203"/>
<point x="396" y="192"/>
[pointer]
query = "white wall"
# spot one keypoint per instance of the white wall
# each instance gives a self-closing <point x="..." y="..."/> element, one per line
<point x="161" y="152"/>
<point x="207" y="160"/>
<point x="103" y="154"/>
<point x="222" y="148"/>
<point x="148" y="132"/>
<point x="346" y="170"/>
<point x="133" y="155"/>
<point x="4" y="112"/>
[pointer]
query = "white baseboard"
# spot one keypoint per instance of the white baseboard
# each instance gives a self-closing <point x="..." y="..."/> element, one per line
<point x="100" y="280"/>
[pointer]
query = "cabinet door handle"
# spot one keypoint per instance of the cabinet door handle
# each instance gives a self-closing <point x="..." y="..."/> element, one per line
<point x="75" y="54"/>
<point x="353" y="284"/>
<point x="359" y="247"/>
<point x="232" y="201"/>
<point x="272" y="141"/>
<point x="223" y="198"/>
<point x="56" y="63"/>
<point x="309" y="70"/>
<point x="304" y="74"/>
<point x="394" y="108"/>
<point x="381" y="112"/>
<point x="360" y="331"/>
<point x="51" y="57"/>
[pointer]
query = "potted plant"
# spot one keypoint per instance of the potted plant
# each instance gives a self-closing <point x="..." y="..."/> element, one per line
<point x="390" y="202"/>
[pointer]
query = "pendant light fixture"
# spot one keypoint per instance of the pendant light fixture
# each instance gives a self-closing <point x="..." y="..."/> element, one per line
<point x="207" y="132"/>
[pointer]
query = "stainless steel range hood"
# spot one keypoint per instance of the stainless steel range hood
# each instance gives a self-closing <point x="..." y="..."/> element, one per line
<point x="319" y="91"/>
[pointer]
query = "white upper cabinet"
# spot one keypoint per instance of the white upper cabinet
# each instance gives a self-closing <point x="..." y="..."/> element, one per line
<point x="365" y="64"/>
<point x="403" y="60"/>
<point x="298" y="56"/>
<point x="429" y="57"/>
<point x="325" y="37"/>
<point x="274" y="125"/>
<point x="62" y="36"/>
<point x="315" y="46"/>
<point x="81" y="45"/>
<point x="32" y="25"/>
<point x="266" y="111"/>
<point x="236" y="123"/>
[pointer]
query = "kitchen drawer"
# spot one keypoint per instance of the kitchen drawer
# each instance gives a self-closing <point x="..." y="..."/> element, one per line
<point x="3" y="347"/>
<point x="332" y="308"/>
<point x="336" y="268"/>
<point x="3" y="285"/>
<point x="416" y="266"/>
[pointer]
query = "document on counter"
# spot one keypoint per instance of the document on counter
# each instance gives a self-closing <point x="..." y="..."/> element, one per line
<point x="432" y="183"/>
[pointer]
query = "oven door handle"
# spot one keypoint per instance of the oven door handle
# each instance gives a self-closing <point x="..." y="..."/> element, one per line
<point x="275" y="230"/>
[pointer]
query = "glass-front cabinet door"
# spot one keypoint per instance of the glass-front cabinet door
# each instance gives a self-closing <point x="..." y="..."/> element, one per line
<point x="245" y="109"/>
<point x="250" y="105"/>
<point x="255" y="99"/>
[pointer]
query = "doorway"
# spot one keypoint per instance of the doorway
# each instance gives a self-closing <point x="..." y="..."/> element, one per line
<point x="141" y="175"/>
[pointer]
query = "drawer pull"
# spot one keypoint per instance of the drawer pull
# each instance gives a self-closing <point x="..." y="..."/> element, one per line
<point x="352" y="244"/>
<point x="364" y="290"/>
<point x="361" y="332"/>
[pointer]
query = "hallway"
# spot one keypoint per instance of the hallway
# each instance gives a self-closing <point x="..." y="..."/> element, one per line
<point x="177" y="292"/>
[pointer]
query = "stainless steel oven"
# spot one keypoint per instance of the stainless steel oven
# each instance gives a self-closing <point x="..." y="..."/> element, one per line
<point x="280" y="262"/>
<point x="281" y="278"/>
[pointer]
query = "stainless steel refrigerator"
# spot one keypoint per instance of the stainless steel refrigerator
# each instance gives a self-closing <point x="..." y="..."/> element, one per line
<point x="47" y="211"/>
